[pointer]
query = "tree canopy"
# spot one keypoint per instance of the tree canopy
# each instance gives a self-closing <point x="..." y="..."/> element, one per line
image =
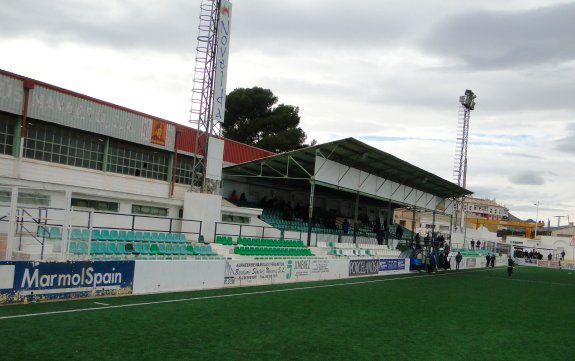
<point x="252" y="117"/>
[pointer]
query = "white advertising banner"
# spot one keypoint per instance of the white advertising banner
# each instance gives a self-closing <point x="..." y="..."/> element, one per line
<point x="153" y="276"/>
<point x="222" y="52"/>
<point x="251" y="273"/>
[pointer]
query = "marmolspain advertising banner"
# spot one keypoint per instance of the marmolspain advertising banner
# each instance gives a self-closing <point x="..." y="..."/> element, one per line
<point x="24" y="281"/>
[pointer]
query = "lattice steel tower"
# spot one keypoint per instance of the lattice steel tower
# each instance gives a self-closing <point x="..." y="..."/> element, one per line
<point x="205" y="75"/>
<point x="467" y="104"/>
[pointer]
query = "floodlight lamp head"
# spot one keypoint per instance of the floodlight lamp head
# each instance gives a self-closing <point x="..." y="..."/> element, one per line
<point x="468" y="99"/>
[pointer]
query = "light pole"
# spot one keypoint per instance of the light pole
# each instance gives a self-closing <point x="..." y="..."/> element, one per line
<point x="536" y="217"/>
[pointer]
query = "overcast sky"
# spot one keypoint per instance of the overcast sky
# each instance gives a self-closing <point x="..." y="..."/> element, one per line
<point x="388" y="73"/>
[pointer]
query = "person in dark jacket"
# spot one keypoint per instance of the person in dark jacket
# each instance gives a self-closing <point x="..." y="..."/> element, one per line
<point x="492" y="260"/>
<point x="458" y="259"/>
<point x="510" y="264"/>
<point x="487" y="259"/>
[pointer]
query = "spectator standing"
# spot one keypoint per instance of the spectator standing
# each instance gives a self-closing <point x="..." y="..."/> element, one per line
<point x="233" y="197"/>
<point x="562" y="255"/>
<point x="492" y="260"/>
<point x="472" y="244"/>
<point x="487" y="259"/>
<point x="243" y="198"/>
<point x="510" y="264"/>
<point x="458" y="259"/>
<point x="478" y="244"/>
<point x="549" y="256"/>
<point x="345" y="226"/>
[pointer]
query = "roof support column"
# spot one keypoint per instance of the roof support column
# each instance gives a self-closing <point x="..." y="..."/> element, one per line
<point x="355" y="215"/>
<point x="450" y="229"/>
<point x="388" y="221"/>
<point x="413" y="227"/>
<point x="310" y="211"/>
<point x="433" y="227"/>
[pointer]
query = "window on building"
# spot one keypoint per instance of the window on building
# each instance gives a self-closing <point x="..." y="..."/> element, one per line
<point x="37" y="199"/>
<point x="235" y="218"/>
<point x="97" y="205"/>
<point x="56" y="144"/>
<point x="7" y="129"/>
<point x="149" y="210"/>
<point x="184" y="167"/>
<point x="137" y="160"/>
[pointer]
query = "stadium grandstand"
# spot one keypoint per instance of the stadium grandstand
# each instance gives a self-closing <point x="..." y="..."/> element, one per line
<point x="94" y="185"/>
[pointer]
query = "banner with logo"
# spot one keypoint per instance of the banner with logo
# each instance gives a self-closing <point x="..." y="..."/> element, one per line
<point x="36" y="281"/>
<point x="363" y="267"/>
<point x="393" y="265"/>
<point x="251" y="273"/>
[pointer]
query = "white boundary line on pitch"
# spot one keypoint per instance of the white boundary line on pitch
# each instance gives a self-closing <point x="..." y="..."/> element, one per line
<point x="232" y="295"/>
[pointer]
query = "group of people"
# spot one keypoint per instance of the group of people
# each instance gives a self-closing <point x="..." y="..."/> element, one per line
<point x="233" y="198"/>
<point x="490" y="260"/>
<point x="534" y="254"/>
<point x="475" y="245"/>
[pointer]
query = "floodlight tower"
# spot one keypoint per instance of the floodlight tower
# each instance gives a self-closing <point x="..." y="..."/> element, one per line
<point x="467" y="104"/>
<point x="209" y="92"/>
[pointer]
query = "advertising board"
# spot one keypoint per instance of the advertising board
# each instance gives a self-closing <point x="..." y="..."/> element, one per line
<point x="35" y="281"/>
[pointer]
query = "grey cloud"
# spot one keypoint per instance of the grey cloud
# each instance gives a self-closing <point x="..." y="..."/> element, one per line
<point x="527" y="178"/>
<point x="522" y="155"/>
<point x="122" y="25"/>
<point x="500" y="40"/>
<point x="567" y="144"/>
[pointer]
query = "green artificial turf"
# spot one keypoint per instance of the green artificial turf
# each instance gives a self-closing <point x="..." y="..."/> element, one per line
<point x="468" y="315"/>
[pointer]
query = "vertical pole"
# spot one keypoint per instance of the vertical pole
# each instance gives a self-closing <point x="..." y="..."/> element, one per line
<point x="413" y="226"/>
<point x="12" y="224"/>
<point x="536" y="218"/>
<point x="389" y="221"/>
<point x="433" y="226"/>
<point x="105" y="158"/>
<point x="355" y="217"/>
<point x="66" y="225"/>
<point x="450" y="229"/>
<point x="310" y="211"/>
<point x="16" y="142"/>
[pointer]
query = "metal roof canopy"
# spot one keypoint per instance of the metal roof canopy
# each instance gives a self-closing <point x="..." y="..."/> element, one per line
<point x="300" y="165"/>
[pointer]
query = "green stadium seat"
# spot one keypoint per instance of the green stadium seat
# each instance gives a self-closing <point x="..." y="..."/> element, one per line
<point x="131" y="236"/>
<point x="190" y="249"/>
<point x="182" y="238"/>
<point x="110" y="248"/>
<point x="96" y="235"/>
<point x="138" y="236"/>
<point x="73" y="247"/>
<point x="154" y="249"/>
<point x="147" y="236"/>
<point x="105" y="234"/>
<point x="76" y="234"/>
<point x="122" y="236"/>
<point x="138" y="248"/>
<point x="161" y="237"/>
<point x="82" y="247"/>
<point x="97" y="247"/>
<point x="114" y="235"/>
<point x="55" y="232"/>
